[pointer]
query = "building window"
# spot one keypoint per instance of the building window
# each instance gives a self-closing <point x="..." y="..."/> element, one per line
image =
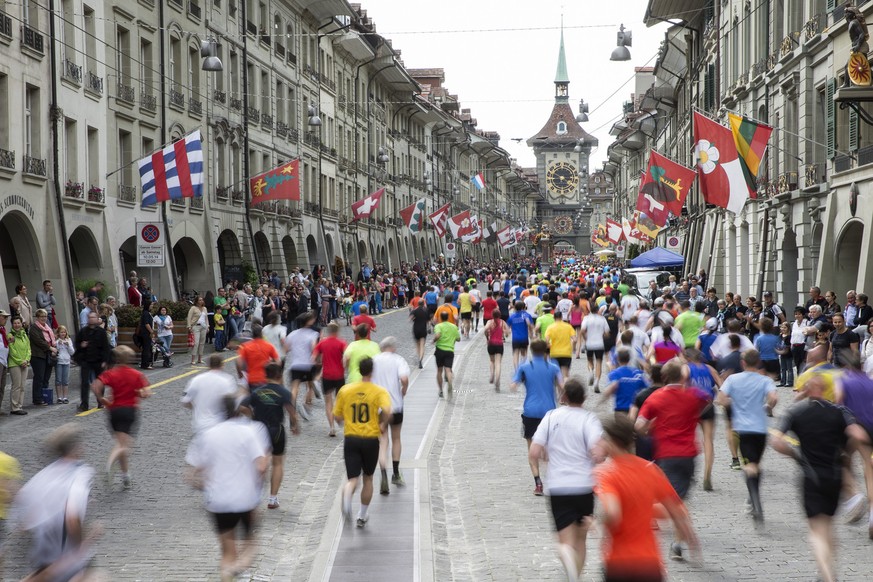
<point x="93" y="157"/>
<point x="562" y="128"/>
<point x="122" y="55"/>
<point x="71" y="153"/>
<point x="194" y="73"/>
<point x="31" y="121"/>
<point x="4" y="112"/>
<point x="125" y="156"/>
<point x="90" y="39"/>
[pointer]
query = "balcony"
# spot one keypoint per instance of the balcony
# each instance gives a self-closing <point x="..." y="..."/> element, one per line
<point x="125" y="93"/>
<point x="196" y="203"/>
<point x="280" y="50"/>
<point x="251" y="28"/>
<point x="75" y="190"/>
<point x="127" y="193"/>
<point x="177" y="3"/>
<point x="292" y="58"/>
<point x="72" y="72"/>
<point x="341" y="101"/>
<point x="812" y="27"/>
<point x="842" y="163"/>
<point x="865" y="156"/>
<point x="787" y="182"/>
<point x="264" y="37"/>
<point x="281" y="129"/>
<point x="34" y="166"/>
<point x="235" y="103"/>
<point x="32" y="39"/>
<point x="5" y="25"/>
<point x="194" y="9"/>
<point x="93" y="83"/>
<point x="294" y="134"/>
<point x="177" y="203"/>
<point x="195" y="107"/>
<point x="222" y="193"/>
<point x="96" y="194"/>
<point x="219" y="96"/>
<point x="148" y="102"/>
<point x="237" y="196"/>
<point x="7" y="160"/>
<point x="253" y="114"/>
<point x="815" y="174"/>
<point x="177" y="99"/>
<point x="267" y="120"/>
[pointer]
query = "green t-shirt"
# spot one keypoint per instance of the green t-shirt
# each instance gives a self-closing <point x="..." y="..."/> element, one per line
<point x="690" y="324"/>
<point x="355" y="352"/>
<point x="623" y="288"/>
<point x="449" y="334"/>
<point x="220" y="304"/>
<point x="543" y="322"/>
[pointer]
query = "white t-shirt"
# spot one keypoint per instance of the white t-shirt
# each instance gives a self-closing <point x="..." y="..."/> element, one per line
<point x="275" y="334"/>
<point x="722" y="345"/>
<point x="475" y="293"/>
<point x="205" y="393"/>
<point x="564" y="306"/>
<point x="629" y="306"/>
<point x="594" y="326"/>
<point x="675" y="335"/>
<point x="226" y="453"/>
<point x="497" y="285"/>
<point x="298" y="346"/>
<point x="643" y="317"/>
<point x="388" y="369"/>
<point x="530" y="304"/>
<point x="569" y="433"/>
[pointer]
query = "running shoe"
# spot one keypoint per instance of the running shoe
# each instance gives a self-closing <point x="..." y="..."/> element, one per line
<point x="419" y="365"/>
<point x="735" y="465"/>
<point x="346" y="507"/>
<point x="383" y="487"/>
<point x="450" y="385"/>
<point x="332" y="433"/>
<point x="303" y="412"/>
<point x="538" y="490"/>
<point x="397" y="479"/>
<point x="441" y="394"/>
<point x="707" y="484"/>
<point x="853" y="508"/>
<point x="676" y="552"/>
<point x="273" y="503"/>
<point x="126" y="481"/>
<point x="362" y="521"/>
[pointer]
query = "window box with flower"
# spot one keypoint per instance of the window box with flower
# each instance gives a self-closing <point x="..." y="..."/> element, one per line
<point x="96" y="194"/>
<point x="74" y="190"/>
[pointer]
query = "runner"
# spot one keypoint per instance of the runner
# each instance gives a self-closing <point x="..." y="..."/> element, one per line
<point x="205" y="393"/>
<point x="594" y="331"/>
<point x="329" y="351"/>
<point x="489" y="305"/>
<point x="445" y="335"/>
<point x="364" y="409"/>
<point x="356" y="351"/>
<point x="127" y="386"/>
<point x="561" y="338"/>
<point x="365" y="318"/>
<point x="570" y="480"/>
<point x="465" y="304"/>
<point x="390" y="371"/>
<point x="707" y="379"/>
<point x="476" y="300"/>
<point x="253" y="356"/>
<point x="447" y="308"/>
<point x="496" y="331"/>
<point x="267" y="404"/>
<point x="625" y="381"/>
<point x="748" y="393"/>
<point x="540" y="378"/>
<point x="521" y="324"/>
<point x="298" y="361"/>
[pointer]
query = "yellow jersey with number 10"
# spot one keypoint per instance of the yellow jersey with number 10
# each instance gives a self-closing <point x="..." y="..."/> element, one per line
<point x="358" y="404"/>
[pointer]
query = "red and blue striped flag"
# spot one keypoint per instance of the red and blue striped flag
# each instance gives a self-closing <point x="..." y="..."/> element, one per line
<point x="174" y="172"/>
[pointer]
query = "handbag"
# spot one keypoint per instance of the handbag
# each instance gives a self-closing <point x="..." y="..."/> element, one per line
<point x="190" y="339"/>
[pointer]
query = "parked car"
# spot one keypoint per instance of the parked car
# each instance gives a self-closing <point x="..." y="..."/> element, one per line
<point x="638" y="279"/>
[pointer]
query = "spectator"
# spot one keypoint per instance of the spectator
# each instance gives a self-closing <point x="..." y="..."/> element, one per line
<point x="18" y="362"/>
<point x="134" y="297"/>
<point x="4" y="354"/>
<point x="199" y="326"/>
<point x="92" y="355"/>
<point x="44" y="353"/>
<point x="45" y="299"/>
<point x="24" y="308"/>
<point x="62" y="368"/>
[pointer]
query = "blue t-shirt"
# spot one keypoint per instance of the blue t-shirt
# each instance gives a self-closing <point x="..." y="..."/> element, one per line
<point x="518" y="323"/>
<point x="706" y="341"/>
<point x="430" y="298"/>
<point x="765" y="343"/>
<point x="356" y="307"/>
<point x="538" y="377"/>
<point x="630" y="382"/>
<point x="701" y="377"/>
<point x="748" y="393"/>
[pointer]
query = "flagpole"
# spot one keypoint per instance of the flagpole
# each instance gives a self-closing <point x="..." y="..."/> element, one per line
<point x="245" y="116"/>
<point x="174" y="278"/>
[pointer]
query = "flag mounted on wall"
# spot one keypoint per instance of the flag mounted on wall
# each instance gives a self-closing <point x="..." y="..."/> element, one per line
<point x="439" y="219"/>
<point x="722" y="181"/>
<point x="751" y="139"/>
<point x="462" y="225"/>
<point x="663" y="188"/>
<point x="614" y="232"/>
<point x="506" y="237"/>
<point x="478" y="181"/>
<point x="174" y="172"/>
<point x="281" y="183"/>
<point x="364" y="207"/>
<point x="413" y="216"/>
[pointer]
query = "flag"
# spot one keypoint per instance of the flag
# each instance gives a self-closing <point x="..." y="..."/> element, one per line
<point x="413" y="216"/>
<point x="173" y="173"/>
<point x="461" y="225"/>
<point x="492" y="233"/>
<point x="751" y="139"/>
<point x="506" y="237"/>
<point x="663" y="188"/>
<point x="718" y="165"/>
<point x="476" y="235"/>
<point x="282" y="183"/>
<point x="627" y="230"/>
<point x="599" y="236"/>
<point x="439" y="219"/>
<point x="647" y="227"/>
<point x="614" y="233"/>
<point x="364" y="207"/>
<point x="478" y="181"/>
<point x="636" y="231"/>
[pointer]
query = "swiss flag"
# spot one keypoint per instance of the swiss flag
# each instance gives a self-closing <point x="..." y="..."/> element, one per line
<point x="462" y="225"/>
<point x="718" y="165"/>
<point x="614" y="231"/>
<point x="366" y="206"/>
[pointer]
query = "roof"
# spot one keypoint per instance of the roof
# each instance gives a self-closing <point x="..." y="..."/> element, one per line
<point x="549" y="132"/>
<point x="561" y="75"/>
<point x="657" y="257"/>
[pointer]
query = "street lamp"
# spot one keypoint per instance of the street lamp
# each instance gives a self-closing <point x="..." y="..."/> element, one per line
<point x="624" y="39"/>
<point x="583" y="112"/>
<point x="209" y="50"/>
<point x="314" y="121"/>
<point x="382" y="156"/>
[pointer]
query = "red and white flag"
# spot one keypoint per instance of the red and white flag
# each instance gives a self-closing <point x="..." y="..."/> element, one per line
<point x="614" y="231"/>
<point x="506" y="237"/>
<point x="719" y="169"/>
<point x="366" y="206"/>
<point x="476" y="235"/>
<point x="628" y="227"/>
<point x="439" y="219"/>
<point x="462" y="225"/>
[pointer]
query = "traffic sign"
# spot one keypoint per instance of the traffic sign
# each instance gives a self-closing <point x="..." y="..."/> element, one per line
<point x="150" y="244"/>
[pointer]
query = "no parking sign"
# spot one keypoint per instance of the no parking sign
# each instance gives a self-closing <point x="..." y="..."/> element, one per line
<point x="149" y="244"/>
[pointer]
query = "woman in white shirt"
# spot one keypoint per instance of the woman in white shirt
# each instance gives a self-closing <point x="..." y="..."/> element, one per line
<point x="594" y="328"/>
<point x="164" y="330"/>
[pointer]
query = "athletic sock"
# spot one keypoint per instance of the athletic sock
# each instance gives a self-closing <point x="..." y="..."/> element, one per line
<point x="396" y="467"/>
<point x="363" y="512"/>
<point x="537" y="481"/>
<point x="384" y="473"/>
<point x="753" y="484"/>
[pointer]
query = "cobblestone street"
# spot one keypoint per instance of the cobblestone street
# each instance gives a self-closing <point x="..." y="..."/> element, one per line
<point x="479" y="522"/>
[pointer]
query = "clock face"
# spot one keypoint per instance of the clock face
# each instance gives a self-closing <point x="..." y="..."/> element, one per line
<point x="562" y="178"/>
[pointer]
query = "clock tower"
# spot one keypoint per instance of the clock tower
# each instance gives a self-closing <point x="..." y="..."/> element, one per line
<point x="562" y="148"/>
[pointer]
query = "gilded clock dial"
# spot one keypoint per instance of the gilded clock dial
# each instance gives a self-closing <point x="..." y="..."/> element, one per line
<point x="562" y="178"/>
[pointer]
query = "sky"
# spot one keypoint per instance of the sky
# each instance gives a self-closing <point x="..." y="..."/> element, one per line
<point x="500" y="58"/>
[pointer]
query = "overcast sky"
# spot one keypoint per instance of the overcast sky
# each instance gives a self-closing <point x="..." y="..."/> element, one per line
<point x="506" y="76"/>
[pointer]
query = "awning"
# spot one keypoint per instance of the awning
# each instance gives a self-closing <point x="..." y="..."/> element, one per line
<point x="659" y="10"/>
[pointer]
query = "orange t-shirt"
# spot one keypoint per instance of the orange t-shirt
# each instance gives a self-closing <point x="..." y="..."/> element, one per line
<point x="631" y="549"/>
<point x="446" y="307"/>
<point x="257" y="353"/>
<point x="414" y="302"/>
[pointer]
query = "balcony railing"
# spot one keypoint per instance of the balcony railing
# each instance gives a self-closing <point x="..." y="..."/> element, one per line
<point x="197" y="203"/>
<point x="280" y="50"/>
<point x="235" y="103"/>
<point x="194" y="9"/>
<point x="253" y="114"/>
<point x="177" y="99"/>
<point x="865" y="156"/>
<point x="97" y="194"/>
<point x="267" y="120"/>
<point x="281" y="129"/>
<point x="222" y="193"/>
<point x="294" y="134"/>
<point x="237" y="196"/>
<point x="787" y="45"/>
<point x="787" y="182"/>
<point x="195" y="107"/>
<point x="815" y="174"/>
<point x="842" y="163"/>
<point x="72" y="72"/>
<point x="32" y="39"/>
<point x="219" y="96"/>
<point x="125" y="93"/>
<point x="75" y="190"/>
<point x="34" y="166"/>
<point x="310" y="138"/>
<point x="148" y="102"/>
<point x="264" y="37"/>
<point x="127" y="193"/>
<point x="94" y="83"/>
<point x="7" y="159"/>
<point x="5" y="25"/>
<point x="292" y="58"/>
<point x="251" y="28"/>
<point x="813" y="26"/>
<point x="178" y="3"/>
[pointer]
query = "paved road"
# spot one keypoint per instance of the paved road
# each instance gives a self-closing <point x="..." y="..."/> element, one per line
<point x="483" y="524"/>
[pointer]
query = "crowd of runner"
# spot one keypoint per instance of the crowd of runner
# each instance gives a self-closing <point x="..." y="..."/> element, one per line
<point x="669" y="358"/>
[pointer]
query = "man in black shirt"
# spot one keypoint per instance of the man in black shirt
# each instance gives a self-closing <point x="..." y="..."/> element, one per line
<point x="815" y="298"/>
<point x="823" y="430"/>
<point x="865" y="312"/>
<point x="503" y="304"/>
<point x="92" y="355"/>
<point x="268" y="404"/>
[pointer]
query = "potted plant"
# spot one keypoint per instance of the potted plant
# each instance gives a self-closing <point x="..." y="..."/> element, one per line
<point x="95" y="194"/>
<point x="74" y="189"/>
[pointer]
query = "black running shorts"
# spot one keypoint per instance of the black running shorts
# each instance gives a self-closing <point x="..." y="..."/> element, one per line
<point x="570" y="509"/>
<point x="122" y="419"/>
<point x="444" y="359"/>
<point x="495" y="349"/>
<point x="332" y="385"/>
<point x="360" y="455"/>
<point x="679" y="472"/>
<point x="529" y="426"/>
<point x="752" y="446"/>
<point x="225" y="522"/>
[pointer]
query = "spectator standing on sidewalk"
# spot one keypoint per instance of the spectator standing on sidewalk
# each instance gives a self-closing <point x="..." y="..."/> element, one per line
<point x="44" y="352"/>
<point x="146" y="331"/>
<point x="198" y="325"/>
<point x="4" y="354"/>
<point x="92" y="355"/>
<point x="18" y="362"/>
<point x="24" y="308"/>
<point x="62" y="369"/>
<point x="45" y="299"/>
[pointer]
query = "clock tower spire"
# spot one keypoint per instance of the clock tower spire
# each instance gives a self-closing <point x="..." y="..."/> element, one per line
<point x="562" y="79"/>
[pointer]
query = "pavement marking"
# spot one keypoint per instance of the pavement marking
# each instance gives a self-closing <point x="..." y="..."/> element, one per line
<point x="164" y="382"/>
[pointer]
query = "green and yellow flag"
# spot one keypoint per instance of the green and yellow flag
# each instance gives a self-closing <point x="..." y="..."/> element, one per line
<point x="751" y="140"/>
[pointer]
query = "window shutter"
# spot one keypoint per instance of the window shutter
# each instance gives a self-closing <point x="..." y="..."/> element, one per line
<point x="832" y="4"/>
<point x="853" y="130"/>
<point x="831" y="118"/>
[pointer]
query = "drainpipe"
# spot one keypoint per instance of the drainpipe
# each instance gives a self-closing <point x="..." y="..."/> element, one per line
<point x="56" y="181"/>
<point x="245" y="116"/>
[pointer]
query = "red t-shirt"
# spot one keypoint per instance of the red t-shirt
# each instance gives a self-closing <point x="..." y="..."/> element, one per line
<point x="674" y="412"/>
<point x="488" y="306"/>
<point x="359" y="319"/>
<point x="125" y="383"/>
<point x="257" y="353"/>
<point x="631" y="549"/>
<point x="331" y="350"/>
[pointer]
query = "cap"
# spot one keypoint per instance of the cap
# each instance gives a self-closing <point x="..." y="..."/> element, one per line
<point x="768" y="294"/>
<point x="3" y="313"/>
<point x="711" y="323"/>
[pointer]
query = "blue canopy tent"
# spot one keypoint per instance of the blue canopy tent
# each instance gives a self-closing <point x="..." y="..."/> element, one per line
<point x="658" y="257"/>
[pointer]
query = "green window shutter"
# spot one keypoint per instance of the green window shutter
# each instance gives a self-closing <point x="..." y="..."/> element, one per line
<point x="831" y="118"/>
<point x="832" y="4"/>
<point x="853" y="130"/>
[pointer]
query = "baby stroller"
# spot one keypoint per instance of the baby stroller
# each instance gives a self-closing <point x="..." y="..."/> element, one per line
<point x="159" y="351"/>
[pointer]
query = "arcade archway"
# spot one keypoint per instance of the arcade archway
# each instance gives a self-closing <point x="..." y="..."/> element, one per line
<point x="847" y="259"/>
<point x="19" y="253"/>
